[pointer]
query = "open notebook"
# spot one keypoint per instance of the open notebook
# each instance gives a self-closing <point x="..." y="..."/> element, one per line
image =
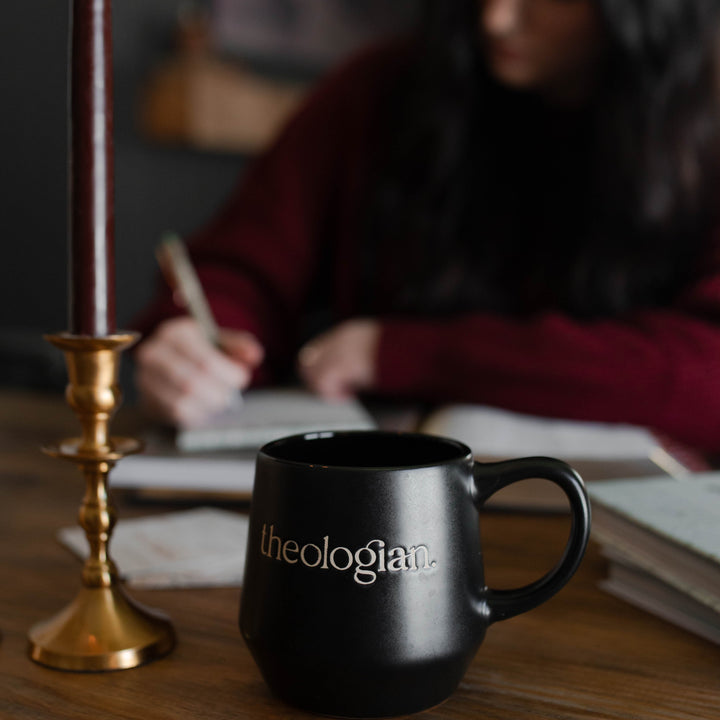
<point x="264" y="415"/>
<point x="218" y="459"/>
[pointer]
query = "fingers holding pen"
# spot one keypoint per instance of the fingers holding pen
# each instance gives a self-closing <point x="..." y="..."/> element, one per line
<point x="183" y="378"/>
<point x="160" y="399"/>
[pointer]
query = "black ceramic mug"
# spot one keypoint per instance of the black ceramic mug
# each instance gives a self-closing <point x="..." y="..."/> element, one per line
<point x="364" y="593"/>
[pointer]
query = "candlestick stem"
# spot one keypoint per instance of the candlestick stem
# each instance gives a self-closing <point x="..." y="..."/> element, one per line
<point x="97" y="518"/>
<point x="103" y="628"/>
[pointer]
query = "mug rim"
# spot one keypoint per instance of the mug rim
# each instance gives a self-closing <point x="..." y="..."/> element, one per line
<point x="464" y="451"/>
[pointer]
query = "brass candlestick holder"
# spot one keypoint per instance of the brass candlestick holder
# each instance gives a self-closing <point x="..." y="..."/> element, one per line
<point x="103" y="628"/>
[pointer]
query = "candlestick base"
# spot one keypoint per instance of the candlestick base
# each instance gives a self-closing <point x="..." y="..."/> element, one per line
<point x="103" y="628"/>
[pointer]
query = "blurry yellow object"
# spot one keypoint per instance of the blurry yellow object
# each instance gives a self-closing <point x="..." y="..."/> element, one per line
<point x="199" y="99"/>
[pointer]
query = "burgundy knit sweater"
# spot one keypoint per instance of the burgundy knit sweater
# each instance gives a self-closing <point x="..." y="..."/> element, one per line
<point x="288" y="233"/>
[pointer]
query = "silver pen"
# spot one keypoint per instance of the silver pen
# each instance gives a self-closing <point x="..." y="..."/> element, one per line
<point x="180" y="273"/>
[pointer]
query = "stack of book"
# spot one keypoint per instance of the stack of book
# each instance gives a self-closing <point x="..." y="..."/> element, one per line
<point x="662" y="539"/>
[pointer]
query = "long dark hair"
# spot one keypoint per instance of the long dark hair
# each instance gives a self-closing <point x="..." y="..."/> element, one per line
<point x="491" y="200"/>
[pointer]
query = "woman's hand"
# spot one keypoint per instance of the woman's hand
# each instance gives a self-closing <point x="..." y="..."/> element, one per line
<point x="341" y="361"/>
<point x="183" y="378"/>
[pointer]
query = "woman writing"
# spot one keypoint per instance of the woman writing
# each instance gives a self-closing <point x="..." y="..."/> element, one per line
<point x="514" y="206"/>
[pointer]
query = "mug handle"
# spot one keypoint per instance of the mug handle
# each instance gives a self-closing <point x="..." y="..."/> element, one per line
<point x="491" y="477"/>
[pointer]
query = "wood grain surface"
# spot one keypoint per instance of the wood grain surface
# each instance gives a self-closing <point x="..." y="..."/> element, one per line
<point x="582" y="655"/>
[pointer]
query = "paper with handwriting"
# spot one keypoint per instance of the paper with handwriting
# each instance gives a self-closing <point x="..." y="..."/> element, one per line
<point x="202" y="547"/>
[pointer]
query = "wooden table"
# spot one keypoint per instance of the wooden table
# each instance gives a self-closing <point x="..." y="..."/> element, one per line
<point x="581" y="655"/>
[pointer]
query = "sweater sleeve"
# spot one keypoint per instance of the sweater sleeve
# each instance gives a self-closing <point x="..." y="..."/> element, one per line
<point x="256" y="259"/>
<point x="660" y="369"/>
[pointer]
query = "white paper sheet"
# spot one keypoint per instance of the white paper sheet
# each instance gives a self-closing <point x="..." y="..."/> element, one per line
<point x="203" y="547"/>
<point x="500" y="433"/>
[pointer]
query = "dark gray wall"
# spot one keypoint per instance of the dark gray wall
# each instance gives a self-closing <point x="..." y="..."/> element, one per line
<point x="157" y="188"/>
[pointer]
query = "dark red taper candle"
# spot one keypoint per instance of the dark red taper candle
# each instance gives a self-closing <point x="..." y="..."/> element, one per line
<point x="92" y="214"/>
